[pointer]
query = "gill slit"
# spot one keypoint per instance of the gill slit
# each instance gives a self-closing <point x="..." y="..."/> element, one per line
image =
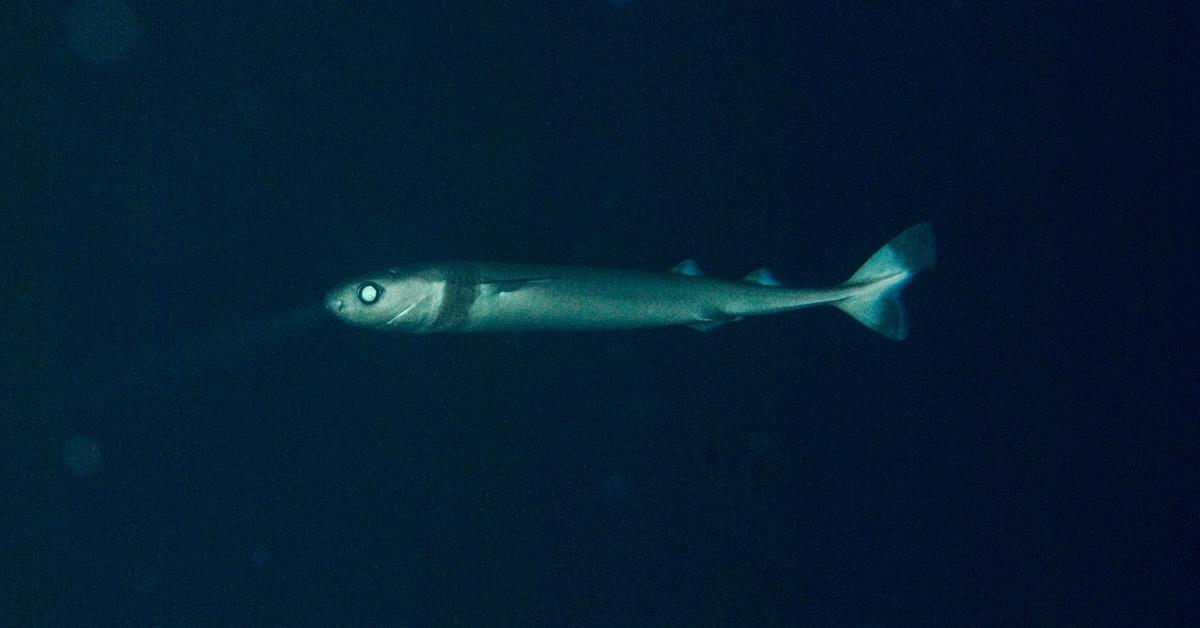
<point x="406" y="310"/>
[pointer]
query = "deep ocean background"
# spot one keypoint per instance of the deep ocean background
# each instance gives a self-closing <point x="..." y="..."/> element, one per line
<point x="183" y="443"/>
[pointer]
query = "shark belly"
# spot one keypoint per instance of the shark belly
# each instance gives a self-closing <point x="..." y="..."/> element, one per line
<point x="575" y="299"/>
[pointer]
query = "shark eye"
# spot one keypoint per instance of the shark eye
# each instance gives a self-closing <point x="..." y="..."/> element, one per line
<point x="369" y="292"/>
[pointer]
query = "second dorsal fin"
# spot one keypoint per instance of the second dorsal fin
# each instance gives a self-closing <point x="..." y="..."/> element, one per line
<point x="762" y="277"/>
<point x="688" y="267"/>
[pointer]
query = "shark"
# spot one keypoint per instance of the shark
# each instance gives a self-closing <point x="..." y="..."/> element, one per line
<point x="464" y="296"/>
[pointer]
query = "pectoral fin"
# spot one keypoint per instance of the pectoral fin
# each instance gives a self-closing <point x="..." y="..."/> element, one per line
<point x="713" y="324"/>
<point x="512" y="285"/>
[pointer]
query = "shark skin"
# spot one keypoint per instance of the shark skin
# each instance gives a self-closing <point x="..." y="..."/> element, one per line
<point x="485" y="297"/>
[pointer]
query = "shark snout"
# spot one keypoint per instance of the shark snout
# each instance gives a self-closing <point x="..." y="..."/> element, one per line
<point x="334" y="303"/>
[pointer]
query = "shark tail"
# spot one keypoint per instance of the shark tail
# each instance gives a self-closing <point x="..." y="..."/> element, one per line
<point x="875" y="288"/>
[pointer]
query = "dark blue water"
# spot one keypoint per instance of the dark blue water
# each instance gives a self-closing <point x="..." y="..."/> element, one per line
<point x="185" y="442"/>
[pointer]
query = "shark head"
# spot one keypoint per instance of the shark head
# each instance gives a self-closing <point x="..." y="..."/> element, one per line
<point x="397" y="299"/>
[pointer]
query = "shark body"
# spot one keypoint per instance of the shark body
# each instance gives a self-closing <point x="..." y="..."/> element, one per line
<point x="484" y="297"/>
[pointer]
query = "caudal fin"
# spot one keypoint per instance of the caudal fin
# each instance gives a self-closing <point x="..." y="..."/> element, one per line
<point x="875" y="301"/>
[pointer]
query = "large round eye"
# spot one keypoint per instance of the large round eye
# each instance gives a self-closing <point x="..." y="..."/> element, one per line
<point x="369" y="292"/>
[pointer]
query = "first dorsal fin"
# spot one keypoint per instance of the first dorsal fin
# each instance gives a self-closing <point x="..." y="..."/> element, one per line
<point x="762" y="277"/>
<point x="688" y="267"/>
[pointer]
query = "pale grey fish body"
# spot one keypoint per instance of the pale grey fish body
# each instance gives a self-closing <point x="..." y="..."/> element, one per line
<point x="478" y="297"/>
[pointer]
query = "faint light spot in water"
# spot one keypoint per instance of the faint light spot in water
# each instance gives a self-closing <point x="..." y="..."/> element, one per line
<point x="761" y="444"/>
<point x="101" y="30"/>
<point x="81" y="455"/>
<point x="615" y="487"/>
<point x="260" y="555"/>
